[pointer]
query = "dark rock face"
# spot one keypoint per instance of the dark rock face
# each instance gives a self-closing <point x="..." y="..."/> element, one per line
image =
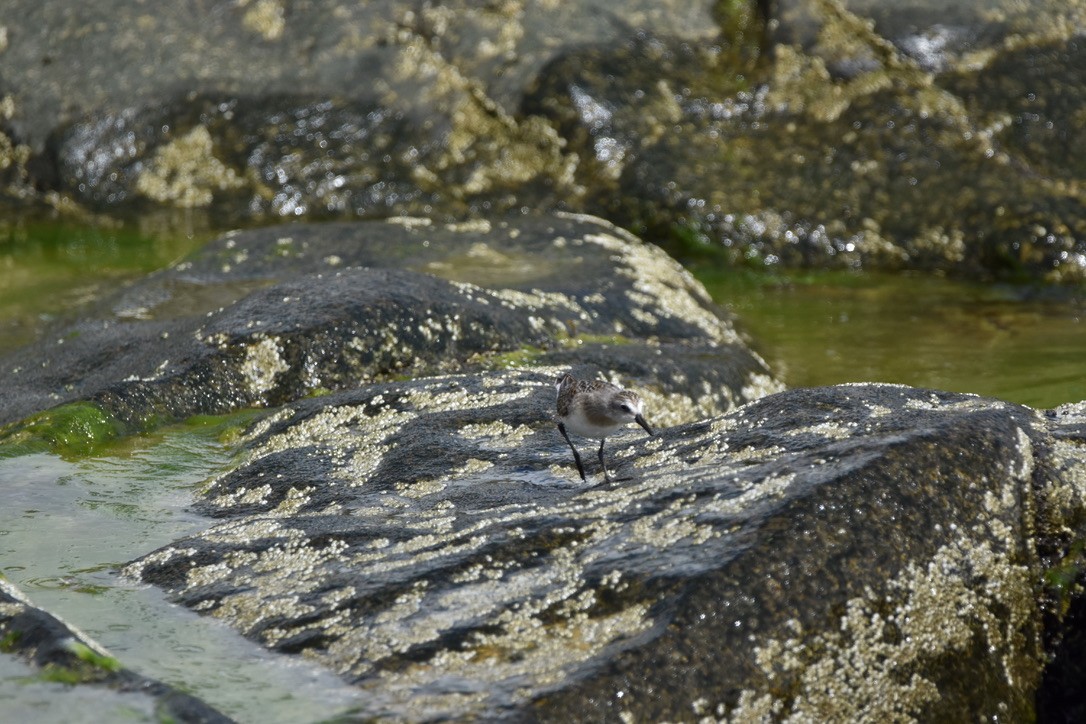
<point x="319" y="308"/>
<point x="118" y="53"/>
<point x="835" y="553"/>
<point x="273" y="317"/>
<point x="935" y="36"/>
<point x="348" y="157"/>
<point x="887" y="166"/>
<point x="51" y="646"/>
<point x="864" y="550"/>
<point x="324" y="109"/>
<point x="876" y="135"/>
<point x="292" y="156"/>
<point x="407" y="515"/>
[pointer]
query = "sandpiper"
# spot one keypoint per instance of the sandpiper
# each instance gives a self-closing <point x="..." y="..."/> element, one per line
<point x="595" y="409"/>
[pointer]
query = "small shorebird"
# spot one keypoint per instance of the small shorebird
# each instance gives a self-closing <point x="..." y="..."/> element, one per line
<point x="595" y="409"/>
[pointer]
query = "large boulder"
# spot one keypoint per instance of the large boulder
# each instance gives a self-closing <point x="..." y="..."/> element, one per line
<point x="260" y="109"/>
<point x="844" y="149"/>
<point x="407" y="515"/>
<point x="793" y="133"/>
<point x="265" y="317"/>
<point x="835" y="554"/>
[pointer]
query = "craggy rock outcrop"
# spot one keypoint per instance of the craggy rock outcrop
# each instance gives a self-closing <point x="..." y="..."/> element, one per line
<point x="328" y="108"/>
<point x="861" y="551"/>
<point x="118" y="52"/>
<point x="60" y="653"/>
<point x="315" y="308"/>
<point x="947" y="150"/>
<point x="1060" y="698"/>
<point x="794" y="133"/>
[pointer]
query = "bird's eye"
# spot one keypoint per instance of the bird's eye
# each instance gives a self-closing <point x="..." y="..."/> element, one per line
<point x="626" y="408"/>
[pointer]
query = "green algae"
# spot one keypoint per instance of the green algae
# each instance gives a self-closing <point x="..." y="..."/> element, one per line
<point x="83" y="429"/>
<point x="225" y="429"/>
<point x="530" y="355"/>
<point x="1064" y="579"/>
<point x="743" y="28"/>
<point x="600" y="339"/>
<point x="48" y="268"/>
<point x="85" y="665"/>
<point x="523" y="357"/>
<point x="75" y="430"/>
<point x="94" y="658"/>
<point x="9" y="642"/>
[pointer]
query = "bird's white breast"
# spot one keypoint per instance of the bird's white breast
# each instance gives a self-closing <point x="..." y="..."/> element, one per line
<point x="579" y="423"/>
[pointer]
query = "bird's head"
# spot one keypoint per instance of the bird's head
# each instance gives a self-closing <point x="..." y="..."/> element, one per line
<point x="628" y="406"/>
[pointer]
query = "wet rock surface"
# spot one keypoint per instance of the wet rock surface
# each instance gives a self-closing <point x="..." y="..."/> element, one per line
<point x="60" y="653"/>
<point x="101" y="57"/>
<point x="879" y="163"/>
<point x="406" y="514"/>
<point x="837" y="553"/>
<point x="265" y="317"/>
<point x="321" y="109"/>
<point x="408" y="517"/>
<point x="875" y="135"/>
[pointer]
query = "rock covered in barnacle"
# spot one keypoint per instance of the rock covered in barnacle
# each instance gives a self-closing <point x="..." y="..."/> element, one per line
<point x="265" y="317"/>
<point x="818" y="552"/>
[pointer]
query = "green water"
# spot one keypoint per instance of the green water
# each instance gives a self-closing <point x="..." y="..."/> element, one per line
<point x="814" y="329"/>
<point x="1022" y="345"/>
<point x="48" y="270"/>
<point x="66" y="527"/>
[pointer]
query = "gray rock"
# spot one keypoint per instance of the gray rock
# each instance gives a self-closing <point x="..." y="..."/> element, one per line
<point x="955" y="163"/>
<point x="266" y="317"/>
<point x="59" y="652"/>
<point x="861" y="551"/>
<point x="874" y="134"/>
<point x="934" y="35"/>
<point x="61" y="62"/>
<point x="322" y="109"/>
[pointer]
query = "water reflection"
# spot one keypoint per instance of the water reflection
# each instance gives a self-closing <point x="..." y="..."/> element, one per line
<point x="822" y="329"/>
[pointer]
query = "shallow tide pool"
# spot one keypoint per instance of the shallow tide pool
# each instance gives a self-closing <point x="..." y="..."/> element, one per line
<point x="66" y="527"/>
<point x="1023" y="345"/>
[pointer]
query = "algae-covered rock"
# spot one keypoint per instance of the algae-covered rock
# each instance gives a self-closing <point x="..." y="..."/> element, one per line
<point x="863" y="157"/>
<point x="344" y="109"/>
<point x="242" y="157"/>
<point x="822" y="133"/>
<point x="838" y="554"/>
<point x="59" y="653"/>
<point x="121" y="54"/>
<point x="931" y="34"/>
<point x="266" y="317"/>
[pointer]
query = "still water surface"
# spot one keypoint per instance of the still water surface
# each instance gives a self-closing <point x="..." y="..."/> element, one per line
<point x="1023" y="345"/>
<point x="68" y="526"/>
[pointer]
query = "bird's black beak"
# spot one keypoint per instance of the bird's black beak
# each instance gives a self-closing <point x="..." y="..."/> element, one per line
<point x="641" y="421"/>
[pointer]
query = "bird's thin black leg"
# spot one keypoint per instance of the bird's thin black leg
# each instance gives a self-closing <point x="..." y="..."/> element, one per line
<point x="576" y="455"/>
<point x="603" y="464"/>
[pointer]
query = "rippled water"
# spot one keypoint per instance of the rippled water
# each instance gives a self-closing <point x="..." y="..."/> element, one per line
<point x="65" y="529"/>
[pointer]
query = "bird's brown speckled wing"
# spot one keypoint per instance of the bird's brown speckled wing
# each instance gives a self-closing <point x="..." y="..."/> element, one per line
<point x="565" y="396"/>
<point x="570" y="387"/>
